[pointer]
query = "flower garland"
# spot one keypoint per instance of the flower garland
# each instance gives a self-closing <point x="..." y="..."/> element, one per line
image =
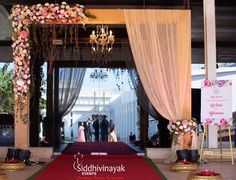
<point x="180" y="127"/>
<point x="22" y="16"/>
<point x="216" y="83"/>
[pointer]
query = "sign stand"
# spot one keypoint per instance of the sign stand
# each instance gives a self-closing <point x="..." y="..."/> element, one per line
<point x="221" y="149"/>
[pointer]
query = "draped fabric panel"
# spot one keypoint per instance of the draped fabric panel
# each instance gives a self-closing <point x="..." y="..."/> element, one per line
<point x="136" y="83"/>
<point x="70" y="83"/>
<point x="160" y="42"/>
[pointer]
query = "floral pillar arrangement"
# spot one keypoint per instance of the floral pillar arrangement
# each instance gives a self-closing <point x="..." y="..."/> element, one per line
<point x="22" y="17"/>
<point x="182" y="132"/>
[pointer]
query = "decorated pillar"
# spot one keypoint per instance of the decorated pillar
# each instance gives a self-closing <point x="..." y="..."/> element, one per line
<point x="210" y="57"/>
<point x="22" y="123"/>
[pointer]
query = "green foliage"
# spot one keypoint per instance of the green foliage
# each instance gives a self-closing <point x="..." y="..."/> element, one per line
<point x="89" y="15"/>
<point x="42" y="103"/>
<point x="6" y="90"/>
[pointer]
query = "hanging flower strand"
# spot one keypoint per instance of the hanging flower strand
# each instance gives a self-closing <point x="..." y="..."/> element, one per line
<point x="22" y="16"/>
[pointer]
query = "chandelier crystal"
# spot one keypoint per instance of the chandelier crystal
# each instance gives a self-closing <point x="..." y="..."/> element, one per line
<point x="98" y="75"/>
<point x="102" y="40"/>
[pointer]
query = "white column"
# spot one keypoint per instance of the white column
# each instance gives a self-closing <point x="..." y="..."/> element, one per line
<point x="210" y="57"/>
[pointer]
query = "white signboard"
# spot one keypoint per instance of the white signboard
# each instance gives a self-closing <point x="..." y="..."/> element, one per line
<point x="216" y="102"/>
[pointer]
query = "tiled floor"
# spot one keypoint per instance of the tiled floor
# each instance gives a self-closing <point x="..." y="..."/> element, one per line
<point x="225" y="168"/>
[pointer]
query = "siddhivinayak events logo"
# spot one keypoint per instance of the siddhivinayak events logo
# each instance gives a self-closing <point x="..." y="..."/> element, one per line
<point x="92" y="169"/>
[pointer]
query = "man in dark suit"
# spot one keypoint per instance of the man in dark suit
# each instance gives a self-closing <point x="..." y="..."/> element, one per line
<point x="104" y="125"/>
<point x="96" y="126"/>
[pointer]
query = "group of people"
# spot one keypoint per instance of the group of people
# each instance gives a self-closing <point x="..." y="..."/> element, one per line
<point x="97" y="129"/>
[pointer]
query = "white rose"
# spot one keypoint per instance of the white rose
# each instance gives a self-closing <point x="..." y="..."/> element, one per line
<point x="181" y="127"/>
<point x="178" y="123"/>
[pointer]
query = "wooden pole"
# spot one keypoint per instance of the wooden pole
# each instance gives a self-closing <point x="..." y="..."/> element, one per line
<point x="143" y="127"/>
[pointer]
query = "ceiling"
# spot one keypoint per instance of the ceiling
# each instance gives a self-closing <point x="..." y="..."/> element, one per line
<point x="225" y="22"/>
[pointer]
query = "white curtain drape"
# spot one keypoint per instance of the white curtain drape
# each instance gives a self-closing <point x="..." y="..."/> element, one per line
<point x="161" y="45"/>
<point x="70" y="83"/>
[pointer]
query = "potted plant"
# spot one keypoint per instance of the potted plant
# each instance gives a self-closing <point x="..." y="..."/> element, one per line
<point x="184" y="129"/>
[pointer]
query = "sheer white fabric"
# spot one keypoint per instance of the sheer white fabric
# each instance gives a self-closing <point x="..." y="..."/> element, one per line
<point x="70" y="83"/>
<point x="160" y="42"/>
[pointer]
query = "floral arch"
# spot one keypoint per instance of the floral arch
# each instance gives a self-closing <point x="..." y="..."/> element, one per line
<point x="22" y="17"/>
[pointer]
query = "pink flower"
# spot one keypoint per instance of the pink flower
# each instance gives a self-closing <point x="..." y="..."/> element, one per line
<point x="45" y="12"/>
<point x="207" y="83"/>
<point x="224" y="121"/>
<point x="221" y="83"/>
<point x="24" y="34"/>
<point x="208" y="121"/>
<point x="20" y="82"/>
<point x="185" y="122"/>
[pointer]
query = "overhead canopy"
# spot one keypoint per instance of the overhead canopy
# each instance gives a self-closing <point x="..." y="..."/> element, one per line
<point x="110" y="12"/>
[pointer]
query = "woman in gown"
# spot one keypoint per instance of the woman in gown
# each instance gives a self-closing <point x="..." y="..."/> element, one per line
<point x="112" y="135"/>
<point x="81" y="135"/>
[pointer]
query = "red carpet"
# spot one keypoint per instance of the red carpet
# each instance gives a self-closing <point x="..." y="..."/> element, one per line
<point x="127" y="168"/>
<point x="112" y="148"/>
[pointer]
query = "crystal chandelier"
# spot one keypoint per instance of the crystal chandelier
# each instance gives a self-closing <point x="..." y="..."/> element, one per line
<point x="102" y="40"/>
<point x="98" y="75"/>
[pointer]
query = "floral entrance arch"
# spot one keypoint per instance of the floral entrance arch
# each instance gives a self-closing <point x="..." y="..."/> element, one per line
<point x="22" y="17"/>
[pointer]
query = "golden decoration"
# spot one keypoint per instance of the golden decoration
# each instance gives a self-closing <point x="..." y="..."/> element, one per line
<point x="12" y="166"/>
<point x="181" y="167"/>
<point x="3" y="176"/>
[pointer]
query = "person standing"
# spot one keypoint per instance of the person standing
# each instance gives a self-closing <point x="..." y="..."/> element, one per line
<point x="89" y="131"/>
<point x="96" y="127"/>
<point x="81" y="135"/>
<point x="104" y="125"/>
<point x="112" y="135"/>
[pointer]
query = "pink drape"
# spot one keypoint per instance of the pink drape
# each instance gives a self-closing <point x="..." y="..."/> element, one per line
<point x="161" y="45"/>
